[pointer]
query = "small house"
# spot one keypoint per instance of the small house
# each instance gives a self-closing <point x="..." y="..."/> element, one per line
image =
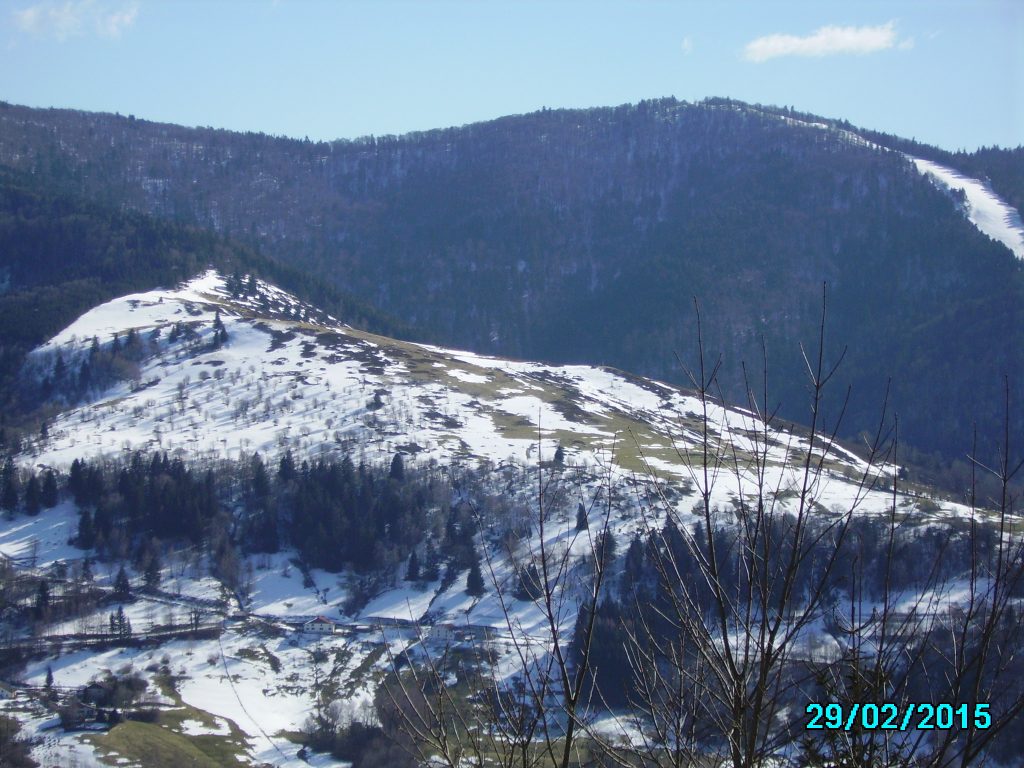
<point x="321" y="625"/>
<point x="443" y="633"/>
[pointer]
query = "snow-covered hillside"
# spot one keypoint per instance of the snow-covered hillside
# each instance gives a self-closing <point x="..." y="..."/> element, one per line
<point x="288" y="376"/>
<point x="319" y="387"/>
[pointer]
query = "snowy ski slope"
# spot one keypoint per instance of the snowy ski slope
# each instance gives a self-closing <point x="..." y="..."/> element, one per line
<point x="989" y="213"/>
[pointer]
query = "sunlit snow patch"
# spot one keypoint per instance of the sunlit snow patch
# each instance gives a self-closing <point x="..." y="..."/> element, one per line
<point x="985" y="209"/>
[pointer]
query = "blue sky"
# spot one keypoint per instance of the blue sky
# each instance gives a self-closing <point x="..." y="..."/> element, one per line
<point x="944" y="72"/>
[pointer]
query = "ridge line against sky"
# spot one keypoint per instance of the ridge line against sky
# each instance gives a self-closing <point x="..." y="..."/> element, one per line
<point x="947" y="72"/>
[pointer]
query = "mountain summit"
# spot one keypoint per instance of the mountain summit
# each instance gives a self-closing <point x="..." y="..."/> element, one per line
<point x="223" y="367"/>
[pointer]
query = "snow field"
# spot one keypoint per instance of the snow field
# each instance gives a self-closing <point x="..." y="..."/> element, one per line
<point x="279" y="383"/>
<point x="261" y="701"/>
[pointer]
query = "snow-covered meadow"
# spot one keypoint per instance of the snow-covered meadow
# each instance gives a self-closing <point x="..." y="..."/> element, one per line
<point x="289" y="377"/>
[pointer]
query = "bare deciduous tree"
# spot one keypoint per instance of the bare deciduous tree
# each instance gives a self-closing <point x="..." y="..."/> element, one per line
<point x="762" y="601"/>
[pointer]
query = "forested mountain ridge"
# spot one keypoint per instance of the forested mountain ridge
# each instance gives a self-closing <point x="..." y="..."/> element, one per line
<point x="583" y="235"/>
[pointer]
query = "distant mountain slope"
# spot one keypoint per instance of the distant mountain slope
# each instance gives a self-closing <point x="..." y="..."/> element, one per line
<point x="978" y="198"/>
<point x="583" y="235"/>
<point x="986" y="210"/>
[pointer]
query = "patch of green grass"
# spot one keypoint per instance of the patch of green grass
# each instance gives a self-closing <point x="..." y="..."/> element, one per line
<point x="164" y="744"/>
<point x="167" y="686"/>
<point x="559" y="394"/>
<point x="617" y="428"/>
<point x="155" y="746"/>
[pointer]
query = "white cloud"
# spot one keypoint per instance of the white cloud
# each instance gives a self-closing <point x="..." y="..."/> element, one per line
<point x="113" y="24"/>
<point x="72" y="18"/>
<point x="826" y="41"/>
<point x="50" y="20"/>
<point x="687" y="46"/>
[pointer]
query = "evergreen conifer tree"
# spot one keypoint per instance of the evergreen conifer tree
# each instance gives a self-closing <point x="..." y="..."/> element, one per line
<point x="9" y="498"/>
<point x="51" y="494"/>
<point x="220" y="333"/>
<point x="260" y="480"/>
<point x="76" y="480"/>
<point x="10" y="493"/>
<point x="397" y="468"/>
<point x="33" y="496"/>
<point x="151" y="575"/>
<point x="86" y="538"/>
<point x="633" y="569"/>
<point x="560" y="457"/>
<point x="605" y="549"/>
<point x="412" y="572"/>
<point x="475" y="579"/>
<point x="581" y="518"/>
<point x="529" y="587"/>
<point x="84" y="377"/>
<point x="122" y="587"/>
<point x="286" y="467"/>
<point x="432" y="563"/>
<point x="120" y="624"/>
